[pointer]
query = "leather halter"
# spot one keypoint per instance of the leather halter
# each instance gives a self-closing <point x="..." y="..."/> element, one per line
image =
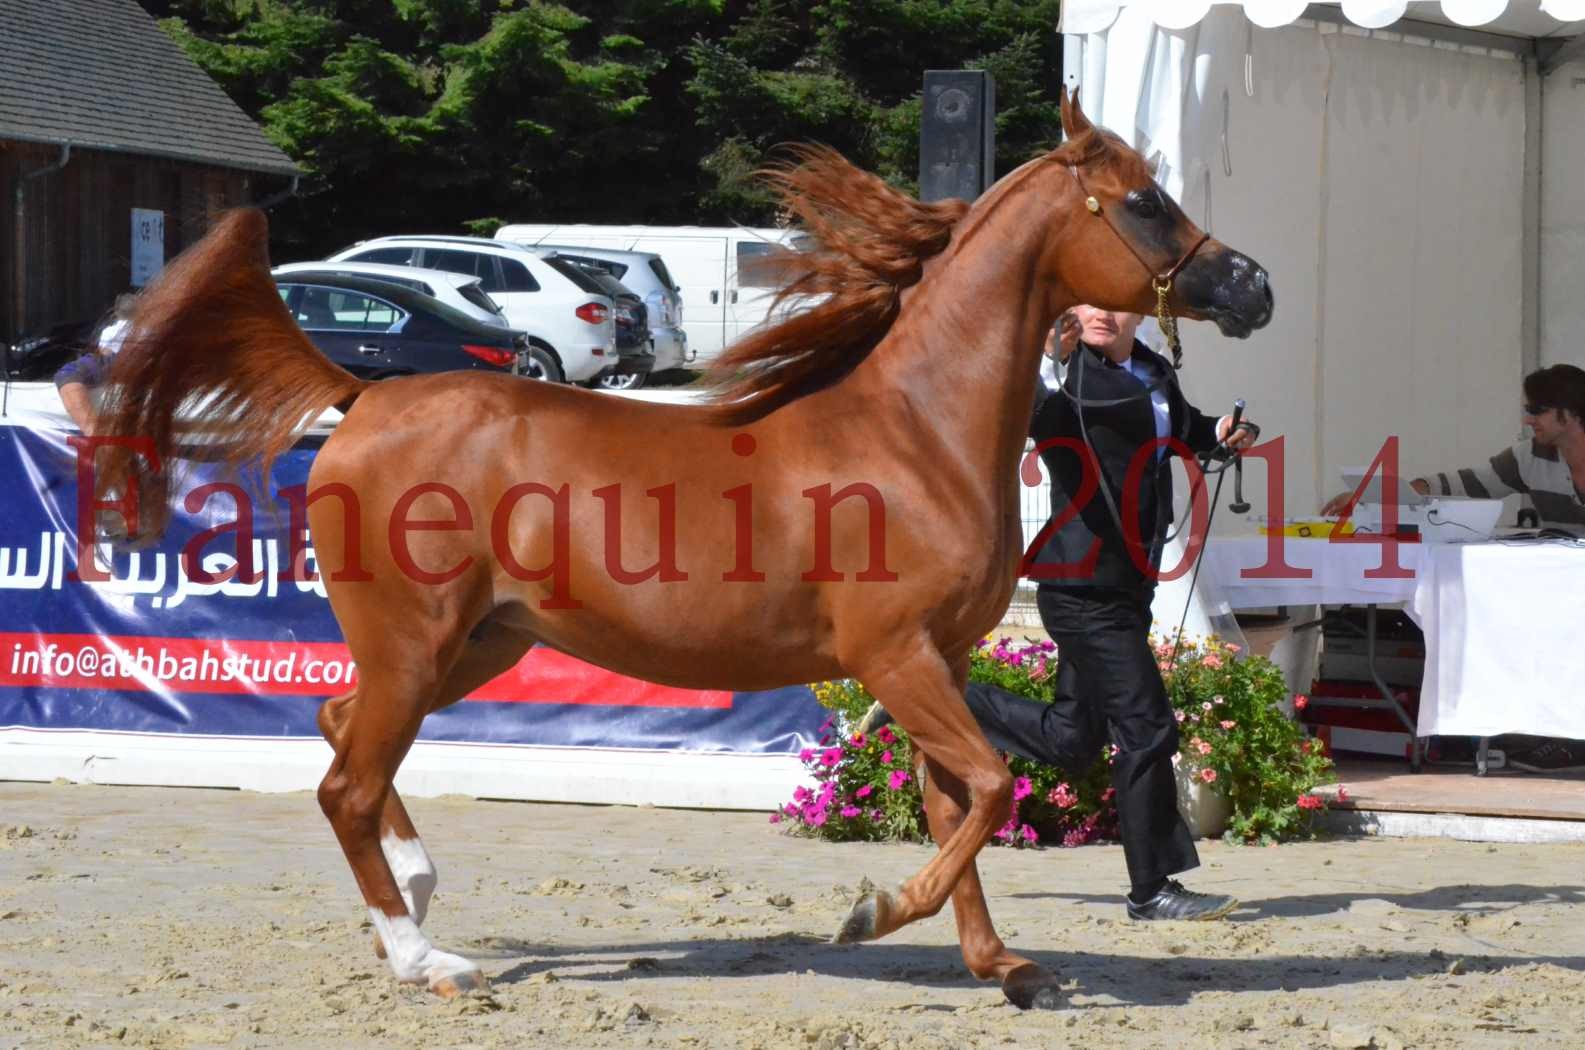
<point x="1160" y="282"/>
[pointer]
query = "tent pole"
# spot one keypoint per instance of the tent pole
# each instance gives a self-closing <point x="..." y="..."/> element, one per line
<point x="1530" y="218"/>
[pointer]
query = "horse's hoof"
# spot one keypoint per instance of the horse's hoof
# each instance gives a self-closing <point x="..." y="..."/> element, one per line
<point x="379" y="946"/>
<point x="453" y="985"/>
<point x="1031" y="987"/>
<point x="864" y="921"/>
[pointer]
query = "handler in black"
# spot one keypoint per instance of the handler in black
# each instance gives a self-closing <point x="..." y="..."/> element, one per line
<point x="1094" y="591"/>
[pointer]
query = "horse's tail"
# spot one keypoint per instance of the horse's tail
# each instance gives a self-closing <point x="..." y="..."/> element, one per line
<point x="212" y="340"/>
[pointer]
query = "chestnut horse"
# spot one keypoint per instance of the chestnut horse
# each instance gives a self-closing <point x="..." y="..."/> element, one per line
<point x="460" y="518"/>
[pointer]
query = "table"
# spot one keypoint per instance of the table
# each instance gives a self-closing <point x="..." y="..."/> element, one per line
<point x="1501" y="622"/>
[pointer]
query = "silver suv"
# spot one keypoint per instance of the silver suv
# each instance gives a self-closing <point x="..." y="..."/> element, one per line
<point x="645" y="274"/>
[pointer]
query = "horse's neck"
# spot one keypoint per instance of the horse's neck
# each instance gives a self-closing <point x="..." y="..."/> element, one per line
<point x="963" y="355"/>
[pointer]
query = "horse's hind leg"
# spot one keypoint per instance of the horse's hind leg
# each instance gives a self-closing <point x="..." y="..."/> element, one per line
<point x="491" y="650"/>
<point x="394" y="694"/>
<point x="968" y="794"/>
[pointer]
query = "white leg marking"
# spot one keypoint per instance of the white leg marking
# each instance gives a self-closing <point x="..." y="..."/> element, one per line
<point x="413" y="959"/>
<point x="414" y="872"/>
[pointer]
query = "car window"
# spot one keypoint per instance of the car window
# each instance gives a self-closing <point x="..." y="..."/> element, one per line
<point x="615" y="269"/>
<point x="342" y="310"/>
<point x="394" y="256"/>
<point x="476" y="295"/>
<point x="582" y="279"/>
<point x="755" y="268"/>
<point x="657" y="266"/>
<point x="453" y="261"/>
<point x="515" y="278"/>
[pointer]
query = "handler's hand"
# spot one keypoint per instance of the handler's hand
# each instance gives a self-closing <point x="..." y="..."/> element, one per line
<point x="1242" y="439"/>
<point x="1334" y="506"/>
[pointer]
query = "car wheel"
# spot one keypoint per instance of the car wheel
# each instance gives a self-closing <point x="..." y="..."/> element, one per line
<point x="538" y="363"/>
<point x="627" y="382"/>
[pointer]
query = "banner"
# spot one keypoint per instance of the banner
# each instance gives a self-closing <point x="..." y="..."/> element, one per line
<point x="153" y="651"/>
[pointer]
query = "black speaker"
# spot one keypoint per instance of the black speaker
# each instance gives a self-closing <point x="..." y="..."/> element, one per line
<point x="957" y="135"/>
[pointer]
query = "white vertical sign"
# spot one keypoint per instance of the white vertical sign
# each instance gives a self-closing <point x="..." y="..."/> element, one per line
<point x="148" y="245"/>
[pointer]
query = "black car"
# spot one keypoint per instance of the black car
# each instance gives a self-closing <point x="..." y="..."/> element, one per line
<point x="377" y="329"/>
<point x="635" y="354"/>
<point x="38" y="358"/>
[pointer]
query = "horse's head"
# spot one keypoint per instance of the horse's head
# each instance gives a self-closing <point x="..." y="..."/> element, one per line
<point x="1133" y="238"/>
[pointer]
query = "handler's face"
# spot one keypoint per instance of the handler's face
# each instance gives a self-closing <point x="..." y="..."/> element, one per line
<point x="1107" y="330"/>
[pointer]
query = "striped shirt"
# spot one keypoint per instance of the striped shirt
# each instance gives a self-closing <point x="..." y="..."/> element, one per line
<point x="1538" y="472"/>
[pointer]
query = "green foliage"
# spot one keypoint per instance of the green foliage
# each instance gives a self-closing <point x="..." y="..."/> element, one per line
<point x="436" y="114"/>
<point x="1235" y="738"/>
<point x="1236" y="735"/>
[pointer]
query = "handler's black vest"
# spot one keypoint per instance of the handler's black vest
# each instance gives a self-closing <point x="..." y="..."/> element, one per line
<point x="1119" y="434"/>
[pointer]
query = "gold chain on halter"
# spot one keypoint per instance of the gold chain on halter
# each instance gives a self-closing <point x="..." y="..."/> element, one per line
<point x="1168" y="323"/>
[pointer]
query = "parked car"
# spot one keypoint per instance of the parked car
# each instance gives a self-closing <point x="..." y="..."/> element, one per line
<point x="37" y="358"/>
<point x="646" y="275"/>
<point x="458" y="290"/>
<point x="719" y="270"/>
<point x="376" y="329"/>
<point x="635" y="350"/>
<point x="572" y="326"/>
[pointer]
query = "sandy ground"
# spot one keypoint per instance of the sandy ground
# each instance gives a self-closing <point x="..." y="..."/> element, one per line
<point x="184" y="918"/>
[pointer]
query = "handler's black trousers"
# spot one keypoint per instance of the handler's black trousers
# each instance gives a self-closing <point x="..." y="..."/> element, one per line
<point x="1107" y="679"/>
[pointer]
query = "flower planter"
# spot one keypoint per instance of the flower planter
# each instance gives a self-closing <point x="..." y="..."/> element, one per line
<point x="1205" y="809"/>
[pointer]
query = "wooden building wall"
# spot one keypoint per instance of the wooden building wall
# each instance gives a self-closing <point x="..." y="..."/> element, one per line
<point x="71" y="255"/>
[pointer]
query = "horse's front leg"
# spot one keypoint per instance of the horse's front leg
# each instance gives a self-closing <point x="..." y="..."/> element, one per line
<point x="968" y="796"/>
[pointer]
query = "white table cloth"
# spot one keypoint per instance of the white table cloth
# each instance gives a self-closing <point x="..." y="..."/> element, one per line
<point x="1504" y="651"/>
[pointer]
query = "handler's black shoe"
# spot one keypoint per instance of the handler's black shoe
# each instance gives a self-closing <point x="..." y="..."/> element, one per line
<point x="1172" y="901"/>
<point x="874" y="718"/>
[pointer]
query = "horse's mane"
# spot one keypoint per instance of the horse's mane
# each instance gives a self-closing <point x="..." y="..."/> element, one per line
<point x="870" y="241"/>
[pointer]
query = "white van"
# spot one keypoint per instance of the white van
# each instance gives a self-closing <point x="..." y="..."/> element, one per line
<point x="722" y="295"/>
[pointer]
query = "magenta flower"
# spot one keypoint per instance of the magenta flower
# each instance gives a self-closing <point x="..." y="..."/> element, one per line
<point x="800" y="794"/>
<point x="815" y="817"/>
<point x="831" y="756"/>
<point x="849" y="812"/>
<point x="858" y="739"/>
<point x="885" y="735"/>
<point x="886" y="758"/>
<point x="864" y="792"/>
<point x="807" y="755"/>
<point x="1022" y="789"/>
<point x="1029" y="833"/>
<point x="898" y="778"/>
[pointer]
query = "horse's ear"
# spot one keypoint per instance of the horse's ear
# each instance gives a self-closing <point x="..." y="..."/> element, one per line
<point x="1074" y="122"/>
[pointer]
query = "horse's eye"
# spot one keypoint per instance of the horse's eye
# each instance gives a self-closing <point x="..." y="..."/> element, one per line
<point x="1143" y="205"/>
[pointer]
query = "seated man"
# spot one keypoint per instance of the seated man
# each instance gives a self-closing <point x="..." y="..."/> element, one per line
<point x="1550" y="469"/>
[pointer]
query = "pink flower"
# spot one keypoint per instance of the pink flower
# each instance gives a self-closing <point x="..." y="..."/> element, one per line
<point x="1208" y="775"/>
<point x="815" y="817"/>
<point x="877" y="814"/>
<point x="1310" y="802"/>
<point x="1212" y="661"/>
<point x="1022" y="789"/>
<point x="885" y="735"/>
<point x="886" y="758"/>
<point x="831" y="756"/>
<point x="1228" y="725"/>
<point x="849" y="812"/>
<point x="1342" y="793"/>
<point x="807" y="755"/>
<point x="1230" y="647"/>
<point x="1029" y="834"/>
<point x="775" y="818"/>
<point x="1108" y="794"/>
<point x="1062" y="796"/>
<point x="858" y="739"/>
<point x="1203" y="748"/>
<point x="898" y="778"/>
<point x="1205" y="706"/>
<point x="1179" y="715"/>
<point x="1300" y="702"/>
<point x="800" y="794"/>
<point x="864" y="792"/>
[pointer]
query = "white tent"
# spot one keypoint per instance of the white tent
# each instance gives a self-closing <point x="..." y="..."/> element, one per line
<point x="1414" y="186"/>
